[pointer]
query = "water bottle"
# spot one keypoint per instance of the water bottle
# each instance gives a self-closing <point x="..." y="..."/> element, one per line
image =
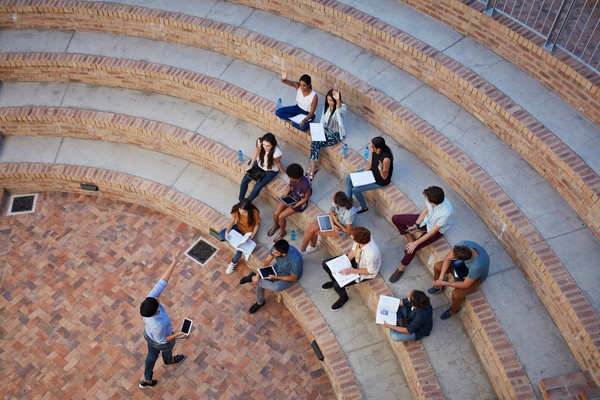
<point x="367" y="152"/>
<point x="240" y="156"/>
<point x="345" y="151"/>
<point x="279" y="103"/>
<point x="293" y="235"/>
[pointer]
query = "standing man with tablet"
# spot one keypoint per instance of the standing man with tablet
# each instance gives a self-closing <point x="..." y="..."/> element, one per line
<point x="288" y="267"/>
<point x="158" y="331"/>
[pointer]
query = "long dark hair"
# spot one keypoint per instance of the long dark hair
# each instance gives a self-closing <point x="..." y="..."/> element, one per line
<point x="245" y="205"/>
<point x="330" y="94"/>
<point x="270" y="138"/>
<point x="419" y="299"/>
<point x="379" y="143"/>
<point x="342" y="200"/>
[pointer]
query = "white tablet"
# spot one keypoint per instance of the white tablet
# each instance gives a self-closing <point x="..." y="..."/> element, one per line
<point x="266" y="271"/>
<point x="325" y="224"/>
<point x="186" y="327"/>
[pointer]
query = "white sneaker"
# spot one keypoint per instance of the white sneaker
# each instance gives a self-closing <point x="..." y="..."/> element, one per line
<point x="230" y="268"/>
<point x="309" y="250"/>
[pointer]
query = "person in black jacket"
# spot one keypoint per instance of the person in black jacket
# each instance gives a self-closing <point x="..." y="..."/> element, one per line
<point x="416" y="315"/>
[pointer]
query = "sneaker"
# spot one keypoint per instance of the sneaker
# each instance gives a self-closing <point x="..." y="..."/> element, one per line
<point x="230" y="268"/>
<point x="434" y="290"/>
<point x="327" y="286"/>
<point x="338" y="305"/>
<point x="255" y="307"/>
<point x="396" y="276"/>
<point x="177" y="359"/>
<point x="247" y="278"/>
<point x="144" y="384"/>
<point x="308" y="250"/>
<point x="446" y="314"/>
<point x="361" y="210"/>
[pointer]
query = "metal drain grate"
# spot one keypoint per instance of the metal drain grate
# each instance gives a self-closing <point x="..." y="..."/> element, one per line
<point x="22" y="204"/>
<point x="201" y="252"/>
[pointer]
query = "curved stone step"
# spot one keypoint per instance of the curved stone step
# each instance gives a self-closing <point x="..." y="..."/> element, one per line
<point x="294" y="139"/>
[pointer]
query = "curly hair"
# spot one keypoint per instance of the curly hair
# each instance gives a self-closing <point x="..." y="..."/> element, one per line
<point x="361" y="235"/>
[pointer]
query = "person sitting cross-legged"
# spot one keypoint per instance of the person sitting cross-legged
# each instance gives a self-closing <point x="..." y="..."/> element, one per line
<point x="416" y="318"/>
<point x="435" y="219"/>
<point x="288" y="267"/>
<point x="477" y="262"/>
<point x="365" y="258"/>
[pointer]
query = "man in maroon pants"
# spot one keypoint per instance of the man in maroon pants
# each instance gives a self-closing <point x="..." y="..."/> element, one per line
<point x="434" y="220"/>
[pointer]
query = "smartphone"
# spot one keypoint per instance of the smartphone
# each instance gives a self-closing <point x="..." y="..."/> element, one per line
<point x="186" y="327"/>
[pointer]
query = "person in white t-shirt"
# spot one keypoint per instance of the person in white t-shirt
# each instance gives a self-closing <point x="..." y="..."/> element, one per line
<point x="306" y="102"/>
<point x="267" y="157"/>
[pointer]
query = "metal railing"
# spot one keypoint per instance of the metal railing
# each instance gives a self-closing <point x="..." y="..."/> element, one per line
<point x="571" y="25"/>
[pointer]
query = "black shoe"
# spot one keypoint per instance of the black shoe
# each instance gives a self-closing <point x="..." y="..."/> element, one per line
<point x="247" y="278"/>
<point x="338" y="305"/>
<point x="434" y="290"/>
<point x="396" y="276"/>
<point x="327" y="286"/>
<point x="177" y="359"/>
<point x="362" y="210"/>
<point x="144" y="384"/>
<point x="255" y="307"/>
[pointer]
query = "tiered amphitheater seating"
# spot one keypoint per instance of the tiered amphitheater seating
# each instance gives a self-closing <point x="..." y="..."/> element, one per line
<point x="517" y="234"/>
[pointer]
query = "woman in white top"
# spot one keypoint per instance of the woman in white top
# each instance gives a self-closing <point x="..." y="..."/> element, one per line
<point x="267" y="157"/>
<point x="306" y="102"/>
<point x="332" y="120"/>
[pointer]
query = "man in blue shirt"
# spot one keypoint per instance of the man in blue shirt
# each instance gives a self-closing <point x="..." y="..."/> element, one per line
<point x="288" y="266"/>
<point x="159" y="331"/>
<point x="478" y="263"/>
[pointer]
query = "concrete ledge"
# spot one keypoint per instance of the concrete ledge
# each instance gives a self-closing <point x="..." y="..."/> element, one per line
<point x="178" y="142"/>
<point x="115" y="185"/>
<point x="551" y="158"/>
<point x="518" y="236"/>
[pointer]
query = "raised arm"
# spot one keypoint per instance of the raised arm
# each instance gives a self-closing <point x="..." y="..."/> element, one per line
<point x="176" y="257"/>
<point x="285" y="80"/>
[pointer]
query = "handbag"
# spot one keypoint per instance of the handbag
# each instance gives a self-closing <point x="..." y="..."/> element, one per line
<point x="256" y="173"/>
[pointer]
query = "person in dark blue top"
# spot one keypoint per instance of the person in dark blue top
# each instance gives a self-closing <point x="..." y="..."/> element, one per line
<point x="416" y="314"/>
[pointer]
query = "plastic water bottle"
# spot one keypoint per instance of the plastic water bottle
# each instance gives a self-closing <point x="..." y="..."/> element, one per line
<point x="367" y="152"/>
<point x="279" y="103"/>
<point x="293" y="235"/>
<point x="345" y="150"/>
<point x="240" y="156"/>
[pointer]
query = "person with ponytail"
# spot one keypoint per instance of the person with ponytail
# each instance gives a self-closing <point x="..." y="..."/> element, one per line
<point x="245" y="218"/>
<point x="306" y="102"/>
<point x="382" y="166"/>
<point x="266" y="157"/>
<point x="342" y="215"/>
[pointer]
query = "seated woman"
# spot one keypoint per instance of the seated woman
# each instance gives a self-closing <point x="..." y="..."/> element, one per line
<point x="332" y="120"/>
<point x="306" y="102"/>
<point x="267" y="157"/>
<point x="382" y="166"/>
<point x="299" y="189"/>
<point x="342" y="215"/>
<point x="245" y="218"/>
<point x="416" y="315"/>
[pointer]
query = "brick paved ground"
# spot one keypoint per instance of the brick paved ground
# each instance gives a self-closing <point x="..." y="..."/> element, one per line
<point x="73" y="275"/>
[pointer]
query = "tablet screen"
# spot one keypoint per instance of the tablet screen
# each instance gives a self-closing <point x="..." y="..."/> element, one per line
<point x="266" y="271"/>
<point x="325" y="223"/>
<point x="288" y="200"/>
<point x="186" y="326"/>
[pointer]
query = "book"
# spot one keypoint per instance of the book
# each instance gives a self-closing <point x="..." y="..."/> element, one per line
<point x="339" y="263"/>
<point x="317" y="133"/>
<point x="325" y="224"/>
<point x="266" y="271"/>
<point x="386" y="310"/>
<point x="241" y="243"/>
<point x="298" y="118"/>
<point x="362" y="178"/>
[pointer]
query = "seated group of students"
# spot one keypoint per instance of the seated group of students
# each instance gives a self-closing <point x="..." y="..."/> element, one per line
<point x="415" y="312"/>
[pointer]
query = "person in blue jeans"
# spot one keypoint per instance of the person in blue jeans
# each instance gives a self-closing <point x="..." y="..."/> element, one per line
<point x="245" y="218"/>
<point x="267" y="157"/>
<point x="288" y="266"/>
<point x="306" y="102"/>
<point x="158" y="330"/>
<point x="382" y="166"/>
<point x="416" y="316"/>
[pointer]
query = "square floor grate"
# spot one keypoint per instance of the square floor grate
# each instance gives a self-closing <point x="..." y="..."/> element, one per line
<point x="22" y="204"/>
<point x="201" y="252"/>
